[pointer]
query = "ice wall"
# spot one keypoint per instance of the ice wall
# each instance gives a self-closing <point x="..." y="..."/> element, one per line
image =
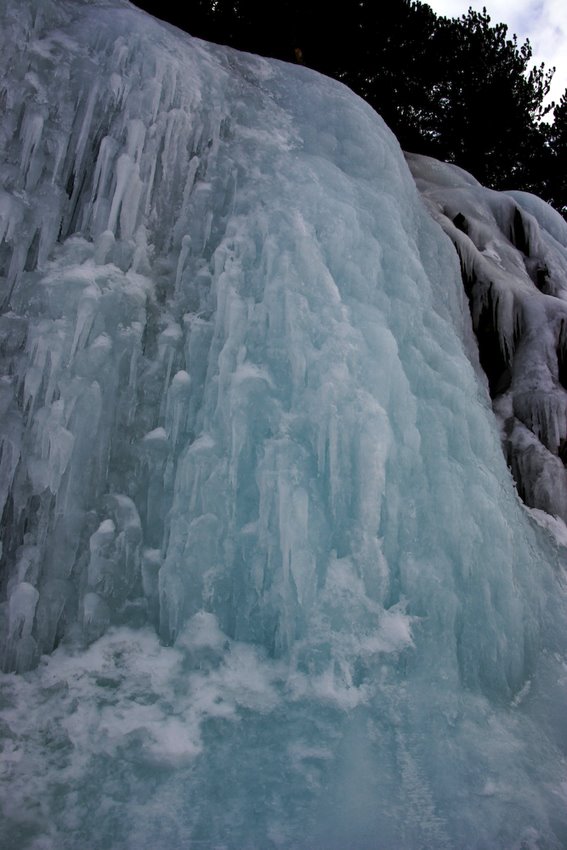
<point x="513" y="252"/>
<point x="252" y="489"/>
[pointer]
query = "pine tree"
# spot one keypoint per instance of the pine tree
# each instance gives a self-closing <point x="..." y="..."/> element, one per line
<point x="487" y="105"/>
<point x="557" y="171"/>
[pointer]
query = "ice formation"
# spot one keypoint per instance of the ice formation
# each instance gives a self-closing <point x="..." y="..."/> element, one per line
<point x="513" y="253"/>
<point x="262" y="557"/>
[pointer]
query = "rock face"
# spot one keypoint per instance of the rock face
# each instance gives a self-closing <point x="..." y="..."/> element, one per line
<point x="263" y="563"/>
<point x="513" y="253"/>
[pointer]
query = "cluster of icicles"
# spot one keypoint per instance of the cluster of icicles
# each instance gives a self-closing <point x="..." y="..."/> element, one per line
<point x="92" y="329"/>
<point x="97" y="152"/>
<point x="513" y="253"/>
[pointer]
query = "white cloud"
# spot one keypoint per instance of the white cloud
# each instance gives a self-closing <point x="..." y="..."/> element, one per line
<point x="544" y="22"/>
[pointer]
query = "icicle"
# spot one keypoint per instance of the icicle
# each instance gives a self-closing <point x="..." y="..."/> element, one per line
<point x="84" y="132"/>
<point x="31" y="135"/>
<point x="183" y="254"/>
<point x="102" y="558"/>
<point x="140" y="260"/>
<point x="22" y="604"/>
<point x="28" y="564"/>
<point x="86" y="312"/>
<point x="187" y="194"/>
<point x="151" y="565"/>
<point x="100" y="202"/>
<point x="136" y="135"/>
<point x="11" y="216"/>
<point x="125" y="171"/>
<point x="57" y="446"/>
<point x="103" y="247"/>
<point x="168" y="346"/>
<point x="177" y="406"/>
<point x="95" y="616"/>
<point x="10" y="452"/>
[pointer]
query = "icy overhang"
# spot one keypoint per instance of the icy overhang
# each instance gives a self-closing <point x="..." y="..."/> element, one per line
<point x="513" y="253"/>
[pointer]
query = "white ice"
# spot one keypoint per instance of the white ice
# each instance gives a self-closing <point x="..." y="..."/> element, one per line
<point x="266" y="578"/>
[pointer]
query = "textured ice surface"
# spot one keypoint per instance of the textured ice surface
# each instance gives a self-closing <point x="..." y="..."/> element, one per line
<point x="513" y="252"/>
<point x="254" y="501"/>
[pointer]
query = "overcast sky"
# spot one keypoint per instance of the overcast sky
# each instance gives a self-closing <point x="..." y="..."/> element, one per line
<point x="544" y="22"/>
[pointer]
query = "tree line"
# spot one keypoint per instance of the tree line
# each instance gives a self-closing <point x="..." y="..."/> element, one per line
<point x="458" y="89"/>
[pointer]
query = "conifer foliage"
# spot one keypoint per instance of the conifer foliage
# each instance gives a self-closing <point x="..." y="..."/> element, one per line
<point x="556" y="188"/>
<point x="458" y="89"/>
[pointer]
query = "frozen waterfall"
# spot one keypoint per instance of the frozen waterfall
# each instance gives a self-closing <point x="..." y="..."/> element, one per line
<point x="266" y="581"/>
<point x="513" y="253"/>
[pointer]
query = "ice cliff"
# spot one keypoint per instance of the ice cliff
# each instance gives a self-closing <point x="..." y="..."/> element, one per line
<point x="262" y="556"/>
<point x="513" y="253"/>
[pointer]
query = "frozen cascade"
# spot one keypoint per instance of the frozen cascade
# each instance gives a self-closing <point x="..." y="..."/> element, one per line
<point x="513" y="252"/>
<point x="266" y="579"/>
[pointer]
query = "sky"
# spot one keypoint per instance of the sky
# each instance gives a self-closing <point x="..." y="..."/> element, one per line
<point x="544" y="22"/>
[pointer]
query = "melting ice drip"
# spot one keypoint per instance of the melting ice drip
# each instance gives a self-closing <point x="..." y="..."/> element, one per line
<point x="239" y="412"/>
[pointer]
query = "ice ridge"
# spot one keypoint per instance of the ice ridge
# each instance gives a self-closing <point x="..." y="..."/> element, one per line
<point x="513" y="253"/>
<point x="264" y="568"/>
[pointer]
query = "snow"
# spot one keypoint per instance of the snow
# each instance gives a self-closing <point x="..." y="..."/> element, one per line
<point x="267" y="581"/>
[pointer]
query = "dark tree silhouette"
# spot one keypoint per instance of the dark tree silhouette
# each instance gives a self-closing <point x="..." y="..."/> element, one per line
<point x="488" y="104"/>
<point x="557" y="170"/>
<point x="458" y="89"/>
